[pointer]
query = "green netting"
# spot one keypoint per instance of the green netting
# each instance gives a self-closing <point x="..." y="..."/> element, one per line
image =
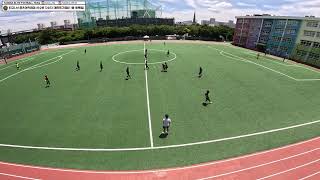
<point x="116" y="9"/>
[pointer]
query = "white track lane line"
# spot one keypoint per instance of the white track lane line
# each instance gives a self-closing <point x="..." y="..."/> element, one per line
<point x="161" y="170"/>
<point x="260" y="165"/>
<point x="311" y="175"/>
<point x="291" y="169"/>
<point x="20" y="177"/>
<point x="148" y="101"/>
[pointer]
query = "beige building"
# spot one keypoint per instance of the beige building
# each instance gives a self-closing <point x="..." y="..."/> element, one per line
<point x="308" y="42"/>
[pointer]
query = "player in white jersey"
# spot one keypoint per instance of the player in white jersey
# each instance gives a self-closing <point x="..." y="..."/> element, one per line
<point x="166" y="122"/>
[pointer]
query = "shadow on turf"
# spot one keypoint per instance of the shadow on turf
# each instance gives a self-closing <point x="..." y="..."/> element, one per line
<point x="163" y="135"/>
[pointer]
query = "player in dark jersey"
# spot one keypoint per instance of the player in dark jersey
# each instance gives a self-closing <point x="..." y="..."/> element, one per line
<point x="47" y="81"/>
<point x="166" y="66"/>
<point x="168" y="53"/>
<point x="207" y="97"/>
<point x="146" y="64"/>
<point x="200" y="72"/>
<point x="101" y="66"/>
<point x="258" y="55"/>
<point x="163" y="68"/>
<point x="85" y="51"/>
<point x="78" y="66"/>
<point x="128" y="73"/>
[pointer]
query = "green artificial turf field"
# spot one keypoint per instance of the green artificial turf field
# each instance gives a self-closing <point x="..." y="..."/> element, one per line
<point x="89" y="119"/>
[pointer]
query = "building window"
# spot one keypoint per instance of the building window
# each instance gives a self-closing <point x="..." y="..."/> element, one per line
<point x="287" y="40"/>
<point x="312" y="24"/>
<point x="293" y="23"/>
<point x="314" y="56"/>
<point x="291" y="31"/>
<point x="316" y="45"/>
<point x="278" y="30"/>
<point x="283" y="48"/>
<point x="306" y="43"/>
<point x="301" y="53"/>
<point x="309" y="33"/>
<point x="281" y="22"/>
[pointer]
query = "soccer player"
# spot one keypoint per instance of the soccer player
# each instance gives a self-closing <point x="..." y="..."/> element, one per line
<point x="78" y="66"/>
<point x="17" y="65"/>
<point x="146" y="64"/>
<point x="101" y="66"/>
<point x="166" y="122"/>
<point x="164" y="43"/>
<point x="5" y="60"/>
<point x="163" y="68"/>
<point x="168" y="53"/>
<point x="145" y="56"/>
<point x="258" y="55"/>
<point x="47" y="81"/>
<point x="200" y="72"/>
<point x="85" y="51"/>
<point x="207" y="97"/>
<point x="166" y="66"/>
<point x="128" y="73"/>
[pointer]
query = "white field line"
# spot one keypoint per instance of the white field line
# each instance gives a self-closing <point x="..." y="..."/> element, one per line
<point x="115" y="60"/>
<point x="288" y="170"/>
<point x="273" y="61"/>
<point x="60" y="57"/>
<point x="270" y="69"/>
<point x="160" y="170"/>
<point x="26" y="59"/>
<point x="260" y="165"/>
<point x="292" y="65"/>
<point x="22" y="60"/>
<point x="20" y="177"/>
<point x="248" y="61"/>
<point x="33" y="67"/>
<point x="159" y="147"/>
<point x="311" y="175"/>
<point x="148" y="101"/>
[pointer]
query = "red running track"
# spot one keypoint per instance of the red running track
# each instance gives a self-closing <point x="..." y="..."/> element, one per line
<point x="299" y="161"/>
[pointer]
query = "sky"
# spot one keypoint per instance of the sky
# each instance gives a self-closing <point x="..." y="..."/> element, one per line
<point x="181" y="10"/>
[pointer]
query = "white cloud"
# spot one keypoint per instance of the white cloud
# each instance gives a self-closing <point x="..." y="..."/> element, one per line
<point x="245" y="4"/>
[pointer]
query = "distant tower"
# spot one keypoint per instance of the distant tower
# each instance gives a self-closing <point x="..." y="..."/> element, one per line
<point x="194" y="18"/>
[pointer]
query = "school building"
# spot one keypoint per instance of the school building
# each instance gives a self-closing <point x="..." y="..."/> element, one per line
<point x="297" y="38"/>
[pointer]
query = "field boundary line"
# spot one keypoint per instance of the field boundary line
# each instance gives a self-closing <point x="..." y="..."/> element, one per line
<point x="159" y="147"/>
<point x="270" y="69"/>
<point x="260" y="165"/>
<point x="20" y="62"/>
<point x="16" y="176"/>
<point x="162" y="170"/>
<point x="148" y="100"/>
<point x="288" y="170"/>
<point x="292" y="64"/>
<point x="34" y="66"/>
